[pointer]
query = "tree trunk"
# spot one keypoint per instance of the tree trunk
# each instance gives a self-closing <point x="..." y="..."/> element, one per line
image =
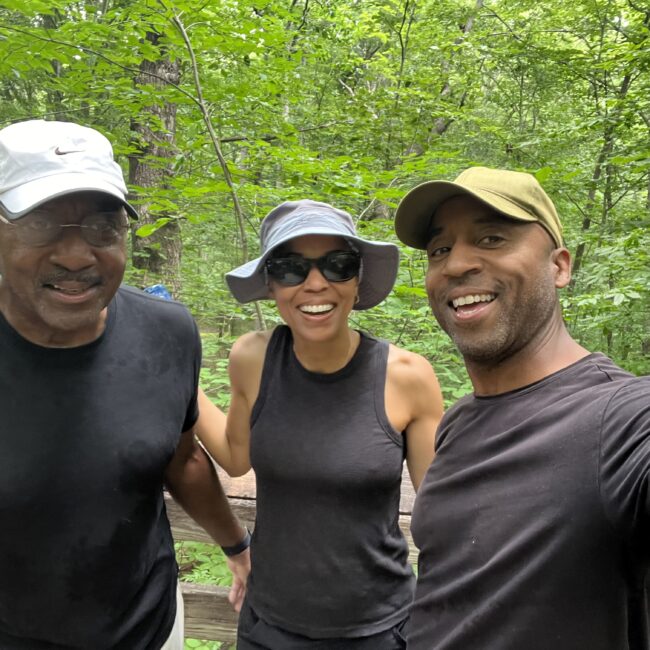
<point x="603" y="156"/>
<point x="441" y="124"/>
<point x="159" y="254"/>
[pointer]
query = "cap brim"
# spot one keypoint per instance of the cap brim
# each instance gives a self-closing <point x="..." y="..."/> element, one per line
<point x="19" y="201"/>
<point x="414" y="215"/>
<point x="380" y="265"/>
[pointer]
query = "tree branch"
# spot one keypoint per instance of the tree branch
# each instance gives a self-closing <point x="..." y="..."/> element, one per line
<point x="270" y="138"/>
<point x="239" y="213"/>
<point x="88" y="50"/>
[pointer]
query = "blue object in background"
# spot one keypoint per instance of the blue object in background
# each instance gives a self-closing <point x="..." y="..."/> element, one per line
<point x="158" y="290"/>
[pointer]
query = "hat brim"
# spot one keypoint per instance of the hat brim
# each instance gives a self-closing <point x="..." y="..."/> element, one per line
<point x="380" y="262"/>
<point x="21" y="200"/>
<point x="414" y="215"/>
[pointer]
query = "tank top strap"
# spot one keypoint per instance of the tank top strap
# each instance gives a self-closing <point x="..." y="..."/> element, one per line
<point x="276" y="354"/>
<point x="379" y="348"/>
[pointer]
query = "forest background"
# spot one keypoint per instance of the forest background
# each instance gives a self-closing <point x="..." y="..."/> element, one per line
<point x="219" y="110"/>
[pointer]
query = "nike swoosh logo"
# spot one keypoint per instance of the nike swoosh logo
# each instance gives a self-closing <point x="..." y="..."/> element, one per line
<point x="59" y="152"/>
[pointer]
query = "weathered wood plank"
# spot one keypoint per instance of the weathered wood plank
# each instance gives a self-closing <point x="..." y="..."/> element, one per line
<point x="242" y="487"/>
<point x="185" y="528"/>
<point x="208" y="614"/>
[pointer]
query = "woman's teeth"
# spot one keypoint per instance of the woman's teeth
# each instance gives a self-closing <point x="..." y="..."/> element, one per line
<point x="316" y="309"/>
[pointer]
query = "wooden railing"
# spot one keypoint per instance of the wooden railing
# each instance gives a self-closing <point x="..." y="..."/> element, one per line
<point x="208" y="614"/>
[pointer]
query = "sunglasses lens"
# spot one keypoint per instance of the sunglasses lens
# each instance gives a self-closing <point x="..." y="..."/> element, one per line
<point x="339" y="266"/>
<point x="288" y="270"/>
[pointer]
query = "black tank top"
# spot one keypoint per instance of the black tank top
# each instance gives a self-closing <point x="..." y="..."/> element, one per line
<point x="329" y="559"/>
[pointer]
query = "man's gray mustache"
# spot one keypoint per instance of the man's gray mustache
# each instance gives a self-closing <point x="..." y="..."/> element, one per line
<point x="67" y="276"/>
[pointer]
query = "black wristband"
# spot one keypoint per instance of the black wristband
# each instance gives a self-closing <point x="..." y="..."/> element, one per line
<point x="229" y="551"/>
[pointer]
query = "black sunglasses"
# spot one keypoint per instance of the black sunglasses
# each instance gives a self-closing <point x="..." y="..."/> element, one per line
<point x="293" y="269"/>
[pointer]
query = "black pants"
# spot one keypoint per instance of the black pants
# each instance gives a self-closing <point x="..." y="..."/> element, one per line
<point x="254" y="634"/>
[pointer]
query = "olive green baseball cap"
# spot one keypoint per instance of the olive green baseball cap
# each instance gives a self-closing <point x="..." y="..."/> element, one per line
<point x="514" y="194"/>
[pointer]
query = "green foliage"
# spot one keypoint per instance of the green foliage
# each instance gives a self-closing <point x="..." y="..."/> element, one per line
<point x="354" y="103"/>
<point x="202" y="564"/>
<point x="195" y="644"/>
<point x="214" y="372"/>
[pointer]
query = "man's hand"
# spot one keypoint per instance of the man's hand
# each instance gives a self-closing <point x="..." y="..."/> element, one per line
<point x="193" y="482"/>
<point x="240" y="567"/>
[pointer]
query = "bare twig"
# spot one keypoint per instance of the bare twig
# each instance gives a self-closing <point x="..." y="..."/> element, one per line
<point x="270" y="138"/>
<point x="239" y="213"/>
<point x="374" y="199"/>
<point x="346" y="87"/>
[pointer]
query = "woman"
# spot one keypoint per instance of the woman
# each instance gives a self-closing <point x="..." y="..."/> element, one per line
<point x="326" y="416"/>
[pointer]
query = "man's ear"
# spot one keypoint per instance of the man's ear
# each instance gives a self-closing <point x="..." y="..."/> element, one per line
<point x="561" y="260"/>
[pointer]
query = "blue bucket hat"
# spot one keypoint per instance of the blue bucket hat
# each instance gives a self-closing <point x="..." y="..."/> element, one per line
<point x="379" y="260"/>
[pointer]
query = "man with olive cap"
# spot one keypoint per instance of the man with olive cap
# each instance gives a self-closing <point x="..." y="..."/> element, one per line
<point x="98" y="400"/>
<point x="533" y="520"/>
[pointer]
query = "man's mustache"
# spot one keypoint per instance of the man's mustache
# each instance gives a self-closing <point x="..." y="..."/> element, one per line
<point x="71" y="276"/>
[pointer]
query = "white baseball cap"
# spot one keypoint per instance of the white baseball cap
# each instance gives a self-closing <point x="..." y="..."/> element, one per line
<point x="41" y="160"/>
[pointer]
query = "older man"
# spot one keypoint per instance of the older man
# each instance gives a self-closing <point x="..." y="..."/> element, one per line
<point x="98" y="398"/>
<point x="533" y="520"/>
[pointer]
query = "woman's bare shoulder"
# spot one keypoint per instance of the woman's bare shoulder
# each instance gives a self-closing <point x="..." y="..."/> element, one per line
<point x="250" y="348"/>
<point x="409" y="369"/>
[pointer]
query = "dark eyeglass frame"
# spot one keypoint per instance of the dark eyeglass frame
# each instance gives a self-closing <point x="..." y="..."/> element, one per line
<point x="329" y="265"/>
<point x="104" y="232"/>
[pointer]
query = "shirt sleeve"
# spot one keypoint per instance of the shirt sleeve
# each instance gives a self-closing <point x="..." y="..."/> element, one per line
<point x="625" y="460"/>
<point x="192" y="414"/>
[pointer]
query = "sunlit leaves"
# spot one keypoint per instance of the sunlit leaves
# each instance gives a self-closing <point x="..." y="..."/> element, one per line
<point x="340" y="100"/>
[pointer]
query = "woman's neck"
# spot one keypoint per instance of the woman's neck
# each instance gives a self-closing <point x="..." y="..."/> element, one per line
<point x="327" y="356"/>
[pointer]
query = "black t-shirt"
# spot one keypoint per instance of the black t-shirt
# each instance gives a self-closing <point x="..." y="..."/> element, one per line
<point x="532" y="521"/>
<point x="86" y="554"/>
